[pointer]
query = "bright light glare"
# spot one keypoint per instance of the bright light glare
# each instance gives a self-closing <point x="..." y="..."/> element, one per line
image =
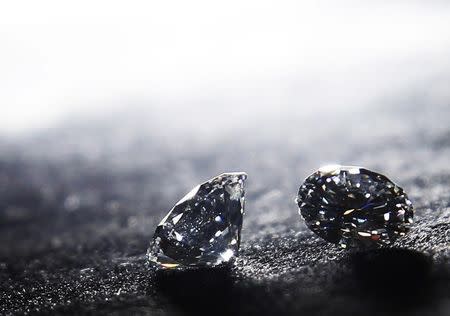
<point x="58" y="58"/>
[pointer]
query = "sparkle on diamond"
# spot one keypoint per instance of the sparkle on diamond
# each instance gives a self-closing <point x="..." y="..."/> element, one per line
<point x="354" y="206"/>
<point x="204" y="227"/>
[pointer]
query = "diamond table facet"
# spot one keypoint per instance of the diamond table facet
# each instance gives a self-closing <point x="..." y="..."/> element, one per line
<point x="352" y="206"/>
<point x="204" y="227"/>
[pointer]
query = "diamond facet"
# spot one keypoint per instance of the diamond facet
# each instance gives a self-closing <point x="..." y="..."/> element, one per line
<point x="352" y="206"/>
<point x="204" y="227"/>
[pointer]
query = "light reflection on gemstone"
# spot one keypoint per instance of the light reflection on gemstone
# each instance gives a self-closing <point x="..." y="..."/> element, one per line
<point x="227" y="255"/>
<point x="203" y="228"/>
<point x="353" y="206"/>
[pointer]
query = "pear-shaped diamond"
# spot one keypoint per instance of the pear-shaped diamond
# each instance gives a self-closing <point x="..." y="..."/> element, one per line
<point x="204" y="227"/>
<point x="353" y="206"/>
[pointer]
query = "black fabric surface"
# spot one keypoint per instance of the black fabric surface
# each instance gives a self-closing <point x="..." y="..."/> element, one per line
<point x="80" y="202"/>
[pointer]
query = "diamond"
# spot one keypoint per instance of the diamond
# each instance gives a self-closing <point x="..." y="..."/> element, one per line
<point x="204" y="227"/>
<point x="353" y="206"/>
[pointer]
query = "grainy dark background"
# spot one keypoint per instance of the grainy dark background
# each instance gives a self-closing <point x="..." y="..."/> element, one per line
<point x="79" y="204"/>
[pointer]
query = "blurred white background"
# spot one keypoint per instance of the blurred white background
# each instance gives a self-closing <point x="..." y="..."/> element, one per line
<point x="205" y="59"/>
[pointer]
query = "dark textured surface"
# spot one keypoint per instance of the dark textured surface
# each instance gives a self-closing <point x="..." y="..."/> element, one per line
<point x="78" y="206"/>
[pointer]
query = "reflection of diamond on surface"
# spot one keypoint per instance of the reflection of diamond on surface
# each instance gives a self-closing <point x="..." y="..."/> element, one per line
<point x="204" y="227"/>
<point x="353" y="206"/>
